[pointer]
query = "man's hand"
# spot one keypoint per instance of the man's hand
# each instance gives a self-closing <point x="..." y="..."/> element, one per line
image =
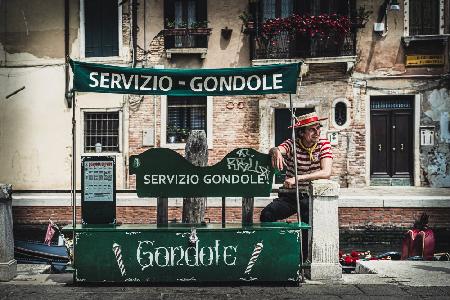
<point x="277" y="158"/>
<point x="289" y="183"/>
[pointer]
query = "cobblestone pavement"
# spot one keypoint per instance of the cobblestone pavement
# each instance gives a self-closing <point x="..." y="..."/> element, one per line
<point x="305" y="291"/>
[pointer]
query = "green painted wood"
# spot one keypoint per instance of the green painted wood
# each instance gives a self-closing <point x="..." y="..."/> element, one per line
<point x="163" y="172"/>
<point x="268" y="252"/>
<point x="268" y="79"/>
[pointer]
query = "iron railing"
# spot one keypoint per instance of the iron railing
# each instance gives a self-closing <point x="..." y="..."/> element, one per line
<point x="186" y="37"/>
<point x="284" y="46"/>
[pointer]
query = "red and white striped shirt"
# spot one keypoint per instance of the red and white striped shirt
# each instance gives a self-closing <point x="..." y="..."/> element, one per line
<point x="304" y="163"/>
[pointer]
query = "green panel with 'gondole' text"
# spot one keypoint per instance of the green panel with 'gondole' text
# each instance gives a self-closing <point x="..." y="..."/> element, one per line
<point x="180" y="253"/>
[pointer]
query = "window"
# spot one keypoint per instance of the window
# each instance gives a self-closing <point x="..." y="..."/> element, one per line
<point x="279" y="45"/>
<point x="183" y="115"/>
<point x="284" y="45"/>
<point x="340" y="113"/>
<point x="276" y="8"/>
<point x="185" y="14"/>
<point x="180" y="115"/>
<point x="424" y="17"/>
<point x="101" y="129"/>
<point x="101" y="23"/>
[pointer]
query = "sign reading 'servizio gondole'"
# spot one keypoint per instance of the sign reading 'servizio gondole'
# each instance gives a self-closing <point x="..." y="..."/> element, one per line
<point x="164" y="173"/>
<point x="270" y="79"/>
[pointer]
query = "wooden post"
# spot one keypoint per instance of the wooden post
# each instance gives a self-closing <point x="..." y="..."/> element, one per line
<point x="196" y="152"/>
<point x="247" y="210"/>
<point x="223" y="212"/>
<point x="162" y="212"/>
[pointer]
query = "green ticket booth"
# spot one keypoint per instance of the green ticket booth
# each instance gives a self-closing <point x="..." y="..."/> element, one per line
<point x="170" y="253"/>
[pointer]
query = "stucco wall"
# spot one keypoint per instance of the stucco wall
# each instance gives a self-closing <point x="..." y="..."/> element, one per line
<point x="36" y="123"/>
<point x="35" y="129"/>
<point x="435" y="159"/>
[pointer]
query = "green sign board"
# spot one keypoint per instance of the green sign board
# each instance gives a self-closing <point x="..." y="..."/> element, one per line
<point x="148" y="253"/>
<point x="98" y="190"/>
<point x="270" y="79"/>
<point x="163" y="172"/>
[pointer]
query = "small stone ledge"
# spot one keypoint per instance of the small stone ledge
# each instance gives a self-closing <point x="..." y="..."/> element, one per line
<point x="324" y="188"/>
<point x="5" y="192"/>
<point x="201" y="51"/>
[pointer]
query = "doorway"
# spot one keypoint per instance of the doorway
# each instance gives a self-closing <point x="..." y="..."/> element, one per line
<point x="391" y="140"/>
<point x="282" y="132"/>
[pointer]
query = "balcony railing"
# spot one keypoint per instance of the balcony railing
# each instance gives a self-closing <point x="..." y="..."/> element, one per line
<point x="186" y="37"/>
<point x="285" y="46"/>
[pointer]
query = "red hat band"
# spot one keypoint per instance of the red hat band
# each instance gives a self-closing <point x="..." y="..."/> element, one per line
<point x="307" y="121"/>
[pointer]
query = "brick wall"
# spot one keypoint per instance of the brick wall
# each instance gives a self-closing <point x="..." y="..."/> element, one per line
<point x="236" y="120"/>
<point x="319" y="90"/>
<point x="349" y="218"/>
<point x="236" y="125"/>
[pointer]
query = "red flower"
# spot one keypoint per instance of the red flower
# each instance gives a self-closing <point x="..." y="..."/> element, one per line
<point x="348" y="260"/>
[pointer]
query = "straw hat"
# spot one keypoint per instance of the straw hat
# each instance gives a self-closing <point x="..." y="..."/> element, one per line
<point x="307" y="120"/>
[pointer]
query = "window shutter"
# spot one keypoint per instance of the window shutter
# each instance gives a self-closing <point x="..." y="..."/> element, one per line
<point x="109" y="27"/>
<point x="92" y="28"/>
<point x="169" y="15"/>
<point x="202" y="15"/>
<point x="424" y="17"/>
<point x="169" y="11"/>
<point x="430" y="20"/>
<point x="202" y="10"/>
<point x="101" y="28"/>
<point x="302" y="7"/>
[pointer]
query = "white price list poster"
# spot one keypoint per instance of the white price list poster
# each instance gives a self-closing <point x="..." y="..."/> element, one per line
<point x="98" y="181"/>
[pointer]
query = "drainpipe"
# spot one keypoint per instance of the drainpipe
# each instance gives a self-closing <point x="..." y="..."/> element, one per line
<point x="134" y="31"/>
<point x="66" y="52"/>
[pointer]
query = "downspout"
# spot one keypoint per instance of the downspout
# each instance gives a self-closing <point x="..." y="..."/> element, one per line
<point x="66" y="52"/>
<point x="134" y="31"/>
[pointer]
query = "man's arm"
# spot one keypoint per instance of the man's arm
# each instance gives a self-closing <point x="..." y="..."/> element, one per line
<point x="324" y="173"/>
<point x="276" y="153"/>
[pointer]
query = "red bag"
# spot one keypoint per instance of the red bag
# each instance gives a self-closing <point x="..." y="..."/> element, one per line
<point x="419" y="243"/>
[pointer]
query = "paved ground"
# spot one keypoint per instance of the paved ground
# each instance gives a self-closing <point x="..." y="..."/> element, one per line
<point x="412" y="273"/>
<point x="29" y="284"/>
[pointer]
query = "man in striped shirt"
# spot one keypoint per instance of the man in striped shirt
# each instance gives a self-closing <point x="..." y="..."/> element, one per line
<point x="314" y="161"/>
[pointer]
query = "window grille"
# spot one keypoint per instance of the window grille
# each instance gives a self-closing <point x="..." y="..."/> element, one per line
<point x="423" y="17"/>
<point x="183" y="115"/>
<point x="340" y="113"/>
<point x="103" y="128"/>
<point x="390" y="104"/>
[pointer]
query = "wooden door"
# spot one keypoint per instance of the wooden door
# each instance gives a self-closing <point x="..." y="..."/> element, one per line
<point x="391" y="143"/>
<point x="282" y="132"/>
<point x="380" y="134"/>
<point x="401" y="144"/>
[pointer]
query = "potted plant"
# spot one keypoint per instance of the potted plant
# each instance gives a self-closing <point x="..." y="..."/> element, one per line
<point x="361" y="17"/>
<point x="200" y="28"/>
<point x="183" y="134"/>
<point x="172" y="28"/>
<point x="172" y="134"/>
<point x="248" y="24"/>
